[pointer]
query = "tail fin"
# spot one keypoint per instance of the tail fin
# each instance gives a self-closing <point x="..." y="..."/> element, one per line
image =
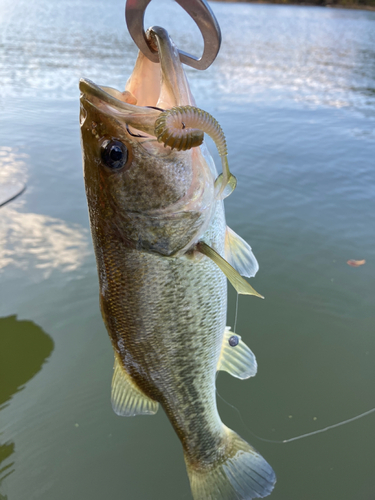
<point x="239" y="474"/>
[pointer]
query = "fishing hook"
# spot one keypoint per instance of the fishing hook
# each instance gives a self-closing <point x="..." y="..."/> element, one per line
<point x="198" y="10"/>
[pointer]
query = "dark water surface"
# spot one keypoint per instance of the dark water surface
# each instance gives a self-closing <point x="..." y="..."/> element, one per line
<point x="294" y="90"/>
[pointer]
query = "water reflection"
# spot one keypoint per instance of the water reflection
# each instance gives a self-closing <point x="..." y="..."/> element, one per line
<point x="42" y="58"/>
<point x="30" y="241"/>
<point x="5" y="451"/>
<point x="24" y="348"/>
<point x="318" y="60"/>
<point x="304" y="201"/>
<point x="314" y="56"/>
<point x="12" y="165"/>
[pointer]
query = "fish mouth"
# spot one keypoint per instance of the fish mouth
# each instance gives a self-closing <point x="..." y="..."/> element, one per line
<point x="108" y="95"/>
<point x="164" y="84"/>
<point x="131" y="114"/>
<point x="151" y="88"/>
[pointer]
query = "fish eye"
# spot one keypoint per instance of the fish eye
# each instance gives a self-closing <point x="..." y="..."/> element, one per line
<point x="233" y="340"/>
<point x="114" y="154"/>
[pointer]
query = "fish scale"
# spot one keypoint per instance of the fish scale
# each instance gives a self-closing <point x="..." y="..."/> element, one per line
<point x="172" y="330"/>
<point x="163" y="252"/>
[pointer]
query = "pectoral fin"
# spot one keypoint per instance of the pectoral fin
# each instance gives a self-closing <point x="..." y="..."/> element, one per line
<point x="235" y="357"/>
<point x="239" y="283"/>
<point x="239" y="255"/>
<point x="127" y="400"/>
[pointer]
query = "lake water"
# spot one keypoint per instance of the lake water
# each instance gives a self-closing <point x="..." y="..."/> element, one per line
<point x="294" y="90"/>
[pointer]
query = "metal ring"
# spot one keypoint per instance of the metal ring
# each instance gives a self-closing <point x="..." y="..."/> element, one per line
<point x="198" y="10"/>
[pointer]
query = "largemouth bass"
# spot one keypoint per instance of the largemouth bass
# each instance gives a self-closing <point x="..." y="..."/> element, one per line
<point x="162" y="247"/>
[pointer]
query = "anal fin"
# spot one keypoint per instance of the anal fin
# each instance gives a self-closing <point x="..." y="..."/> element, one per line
<point x="235" y="357"/>
<point x="127" y="399"/>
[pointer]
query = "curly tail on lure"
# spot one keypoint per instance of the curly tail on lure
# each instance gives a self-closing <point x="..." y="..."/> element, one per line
<point x="183" y="127"/>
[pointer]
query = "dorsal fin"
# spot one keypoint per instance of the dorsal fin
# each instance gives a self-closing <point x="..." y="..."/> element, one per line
<point x="235" y="357"/>
<point x="239" y="255"/>
<point x="127" y="399"/>
<point x="239" y="283"/>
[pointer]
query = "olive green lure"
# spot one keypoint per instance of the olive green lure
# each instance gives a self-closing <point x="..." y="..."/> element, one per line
<point x="183" y="127"/>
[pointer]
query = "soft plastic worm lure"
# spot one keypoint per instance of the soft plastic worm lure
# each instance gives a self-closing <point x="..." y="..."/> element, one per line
<point x="183" y="127"/>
